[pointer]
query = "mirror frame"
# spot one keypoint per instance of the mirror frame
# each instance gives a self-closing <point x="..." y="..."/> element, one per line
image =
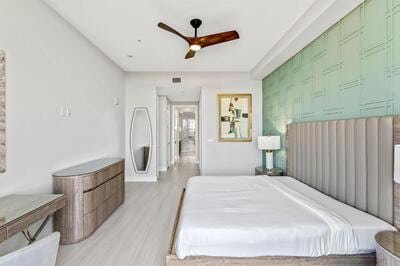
<point x="145" y="171"/>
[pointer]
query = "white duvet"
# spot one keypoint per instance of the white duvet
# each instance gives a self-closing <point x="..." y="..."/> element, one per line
<point x="269" y="216"/>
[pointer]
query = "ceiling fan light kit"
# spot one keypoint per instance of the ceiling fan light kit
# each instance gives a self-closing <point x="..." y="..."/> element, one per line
<point x="196" y="43"/>
<point x="195" y="47"/>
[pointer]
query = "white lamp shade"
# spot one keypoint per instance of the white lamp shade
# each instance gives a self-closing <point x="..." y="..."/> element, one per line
<point x="397" y="164"/>
<point x="269" y="142"/>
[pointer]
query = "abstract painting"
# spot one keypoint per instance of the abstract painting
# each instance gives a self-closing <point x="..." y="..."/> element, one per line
<point x="234" y="118"/>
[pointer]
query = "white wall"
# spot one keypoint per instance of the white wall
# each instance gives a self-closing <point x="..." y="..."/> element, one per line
<point x="217" y="158"/>
<point x="229" y="158"/>
<point x="49" y="64"/>
<point x="140" y="93"/>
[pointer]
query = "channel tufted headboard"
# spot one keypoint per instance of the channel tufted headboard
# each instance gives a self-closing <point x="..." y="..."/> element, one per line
<point x="350" y="160"/>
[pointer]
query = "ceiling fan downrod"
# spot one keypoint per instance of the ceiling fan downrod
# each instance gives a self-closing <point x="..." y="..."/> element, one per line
<point x="196" y="23"/>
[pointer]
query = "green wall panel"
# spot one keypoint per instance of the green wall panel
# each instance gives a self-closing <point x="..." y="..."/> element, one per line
<point x="351" y="23"/>
<point x="333" y="51"/>
<point x="351" y="61"/>
<point x="351" y="70"/>
<point x="396" y="39"/>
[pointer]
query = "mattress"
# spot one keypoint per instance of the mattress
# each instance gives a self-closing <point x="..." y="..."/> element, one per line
<point x="252" y="216"/>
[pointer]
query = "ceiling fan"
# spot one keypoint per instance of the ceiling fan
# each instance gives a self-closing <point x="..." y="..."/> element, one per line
<point x="196" y="43"/>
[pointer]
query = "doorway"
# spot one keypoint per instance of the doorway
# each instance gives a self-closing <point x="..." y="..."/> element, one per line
<point x="178" y="128"/>
<point x="177" y="134"/>
<point x="185" y="134"/>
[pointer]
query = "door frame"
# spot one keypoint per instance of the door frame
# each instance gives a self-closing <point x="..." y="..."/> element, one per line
<point x="174" y="113"/>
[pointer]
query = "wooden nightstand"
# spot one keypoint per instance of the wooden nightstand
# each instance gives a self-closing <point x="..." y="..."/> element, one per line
<point x="388" y="248"/>
<point x="263" y="171"/>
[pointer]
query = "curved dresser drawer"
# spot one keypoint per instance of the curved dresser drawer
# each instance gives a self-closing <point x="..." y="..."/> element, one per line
<point x="97" y="178"/>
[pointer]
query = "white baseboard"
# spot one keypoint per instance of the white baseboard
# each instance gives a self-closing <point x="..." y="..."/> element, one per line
<point x="140" y="179"/>
<point x="163" y="169"/>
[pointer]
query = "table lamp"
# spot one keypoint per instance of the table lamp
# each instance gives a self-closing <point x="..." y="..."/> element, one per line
<point x="269" y="144"/>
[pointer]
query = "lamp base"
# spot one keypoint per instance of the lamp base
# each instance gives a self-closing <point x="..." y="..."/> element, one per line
<point x="269" y="160"/>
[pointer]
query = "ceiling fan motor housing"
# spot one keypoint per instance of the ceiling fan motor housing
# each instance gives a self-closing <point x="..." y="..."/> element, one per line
<point x="196" y="23"/>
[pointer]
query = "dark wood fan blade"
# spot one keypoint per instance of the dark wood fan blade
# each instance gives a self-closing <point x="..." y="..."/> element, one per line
<point x="190" y="54"/>
<point x="215" y="38"/>
<point x="168" y="28"/>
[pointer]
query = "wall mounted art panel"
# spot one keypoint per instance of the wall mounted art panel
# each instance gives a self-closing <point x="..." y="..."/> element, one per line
<point x="352" y="70"/>
<point x="234" y="118"/>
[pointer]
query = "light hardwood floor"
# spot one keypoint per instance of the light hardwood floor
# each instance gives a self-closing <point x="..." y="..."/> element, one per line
<point x="188" y="153"/>
<point x="138" y="232"/>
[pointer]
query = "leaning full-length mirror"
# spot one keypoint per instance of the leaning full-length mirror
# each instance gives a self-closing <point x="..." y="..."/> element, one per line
<point x="140" y="140"/>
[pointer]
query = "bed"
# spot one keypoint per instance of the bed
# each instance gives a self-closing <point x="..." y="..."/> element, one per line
<point x="338" y="194"/>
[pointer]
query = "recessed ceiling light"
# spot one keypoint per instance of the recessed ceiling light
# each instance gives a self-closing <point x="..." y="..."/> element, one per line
<point x="139" y="40"/>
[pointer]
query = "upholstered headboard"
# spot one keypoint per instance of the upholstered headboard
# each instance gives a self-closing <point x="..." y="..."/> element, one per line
<point x="350" y="160"/>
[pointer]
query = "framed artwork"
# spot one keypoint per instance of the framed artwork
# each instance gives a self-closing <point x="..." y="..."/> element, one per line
<point x="2" y="111"/>
<point x="234" y="118"/>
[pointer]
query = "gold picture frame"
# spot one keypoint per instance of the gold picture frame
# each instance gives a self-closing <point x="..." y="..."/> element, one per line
<point x="234" y="117"/>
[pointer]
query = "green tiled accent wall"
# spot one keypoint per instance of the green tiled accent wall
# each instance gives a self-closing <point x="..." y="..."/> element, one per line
<point x="351" y="70"/>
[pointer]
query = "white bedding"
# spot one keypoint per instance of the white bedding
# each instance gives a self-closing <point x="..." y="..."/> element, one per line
<point x="269" y="216"/>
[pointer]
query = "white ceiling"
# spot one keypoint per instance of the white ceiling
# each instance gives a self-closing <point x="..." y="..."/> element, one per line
<point x="116" y="26"/>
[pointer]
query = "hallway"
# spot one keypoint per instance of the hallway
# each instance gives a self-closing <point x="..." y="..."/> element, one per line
<point x="138" y="233"/>
<point x="188" y="152"/>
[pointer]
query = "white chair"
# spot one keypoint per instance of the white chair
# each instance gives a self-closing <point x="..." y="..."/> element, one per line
<point x="42" y="252"/>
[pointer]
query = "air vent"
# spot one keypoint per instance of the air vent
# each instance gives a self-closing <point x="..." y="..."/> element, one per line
<point x="176" y="80"/>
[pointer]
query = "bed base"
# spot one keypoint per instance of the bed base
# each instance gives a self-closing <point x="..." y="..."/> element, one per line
<point x="359" y="260"/>
<point x="342" y="260"/>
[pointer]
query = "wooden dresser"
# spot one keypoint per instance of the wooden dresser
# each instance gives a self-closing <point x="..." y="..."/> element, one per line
<point x="93" y="191"/>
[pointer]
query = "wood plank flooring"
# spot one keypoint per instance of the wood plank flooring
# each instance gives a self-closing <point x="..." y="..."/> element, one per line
<point x="188" y="153"/>
<point x="139" y="230"/>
